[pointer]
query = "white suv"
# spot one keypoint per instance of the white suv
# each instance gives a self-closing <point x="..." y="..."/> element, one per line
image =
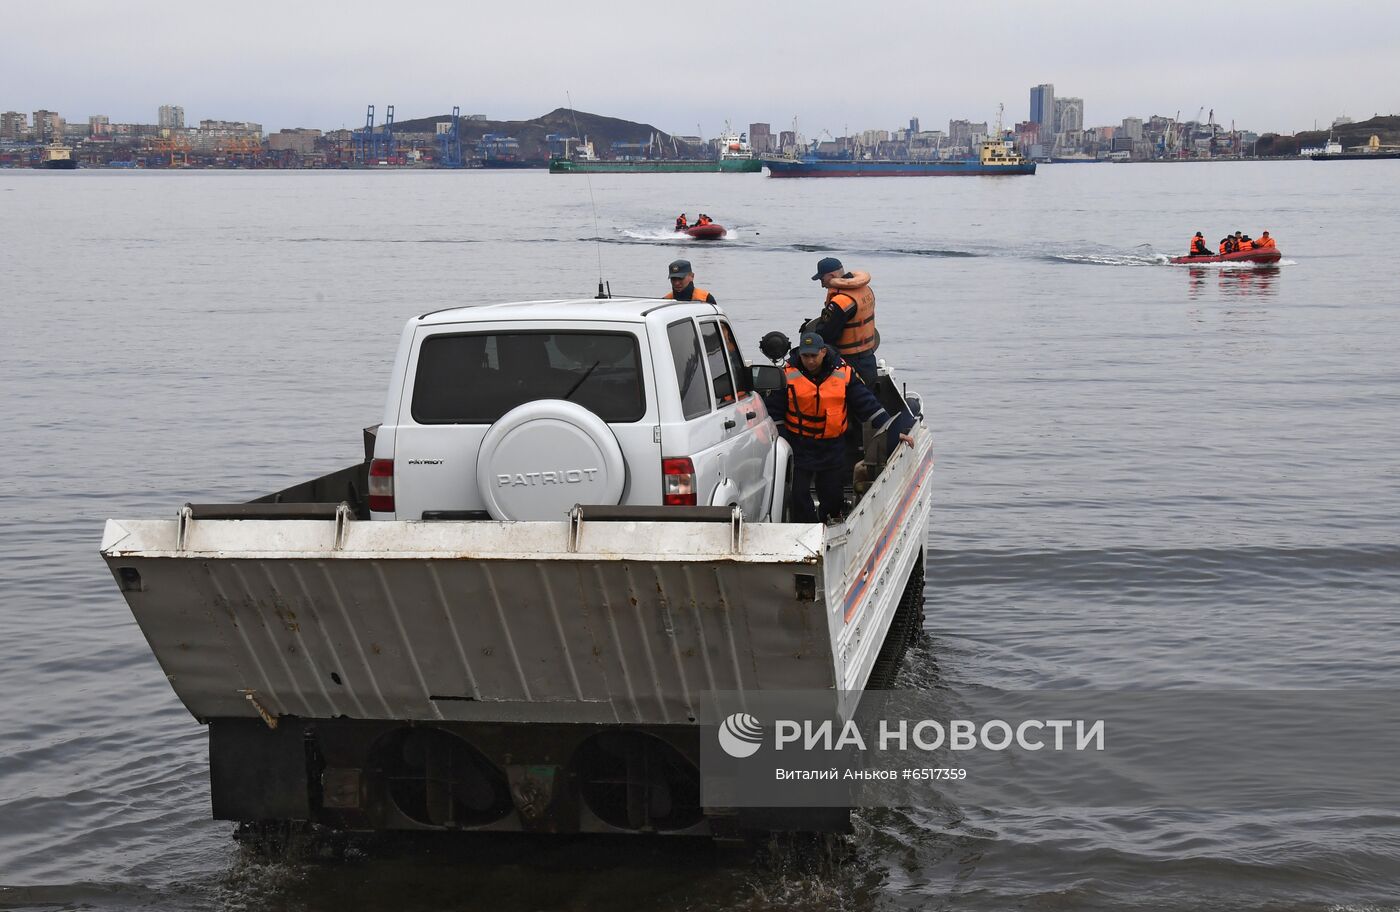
<point x="520" y="411"/>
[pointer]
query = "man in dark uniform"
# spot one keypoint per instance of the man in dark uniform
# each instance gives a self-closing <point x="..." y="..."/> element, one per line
<point x="847" y="320"/>
<point x="683" y="284"/>
<point x="822" y="397"/>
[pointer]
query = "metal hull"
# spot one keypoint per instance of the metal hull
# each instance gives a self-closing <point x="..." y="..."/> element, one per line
<point x="322" y="653"/>
<point x="660" y="166"/>
<point x="839" y="168"/>
<point x="1353" y="156"/>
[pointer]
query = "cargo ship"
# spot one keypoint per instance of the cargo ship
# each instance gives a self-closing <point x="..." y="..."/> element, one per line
<point x="1333" y="151"/>
<point x="58" y="157"/>
<point x="735" y="157"/>
<point x="994" y="157"/>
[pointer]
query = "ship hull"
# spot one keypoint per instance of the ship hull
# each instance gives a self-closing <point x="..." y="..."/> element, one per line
<point x="1352" y="156"/>
<point x="60" y="164"/>
<point x="508" y="164"/>
<point x="674" y="166"/>
<point x="705" y="232"/>
<point x="1269" y="255"/>
<point x="839" y="168"/>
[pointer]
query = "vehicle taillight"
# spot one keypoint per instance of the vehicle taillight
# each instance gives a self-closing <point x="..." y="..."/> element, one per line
<point x="678" y="482"/>
<point x="381" y="485"/>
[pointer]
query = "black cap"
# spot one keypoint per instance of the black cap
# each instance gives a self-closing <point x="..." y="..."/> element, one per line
<point x="679" y="269"/>
<point x="810" y="343"/>
<point x="1198" y="234"/>
<point x="825" y="265"/>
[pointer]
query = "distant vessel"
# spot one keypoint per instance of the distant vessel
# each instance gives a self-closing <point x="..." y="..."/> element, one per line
<point x="1266" y="255"/>
<point x="58" y="157"/>
<point x="994" y="157"/>
<point x="735" y="157"/>
<point x="655" y="166"/>
<point x="1075" y="160"/>
<point x="709" y="232"/>
<point x="1333" y="151"/>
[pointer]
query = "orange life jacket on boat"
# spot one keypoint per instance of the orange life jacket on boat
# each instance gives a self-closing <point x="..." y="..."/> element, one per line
<point x="697" y="294"/>
<point x="1198" y="247"/>
<point x="858" y="336"/>
<point x="817" y="411"/>
<point x="1224" y="247"/>
<point x="681" y="223"/>
<point x="1265" y="243"/>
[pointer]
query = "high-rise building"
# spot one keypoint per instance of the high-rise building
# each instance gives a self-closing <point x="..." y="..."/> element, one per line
<point x="1043" y="109"/>
<point x="14" y="125"/>
<point x="99" y="126"/>
<point x="1132" y="127"/>
<point x="760" y="138"/>
<point x="960" y="133"/>
<point x="48" y="127"/>
<point x="913" y="125"/>
<point x="1069" y="115"/>
<point x="172" y="117"/>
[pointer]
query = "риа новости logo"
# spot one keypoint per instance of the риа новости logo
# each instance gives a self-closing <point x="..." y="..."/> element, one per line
<point x="740" y="735"/>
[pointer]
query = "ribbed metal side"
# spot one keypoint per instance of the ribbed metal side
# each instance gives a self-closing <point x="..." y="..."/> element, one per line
<point x="420" y="638"/>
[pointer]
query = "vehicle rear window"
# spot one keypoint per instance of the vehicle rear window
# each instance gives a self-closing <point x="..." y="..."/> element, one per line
<point x="475" y="378"/>
<point x="690" y="374"/>
<point x="719" y="363"/>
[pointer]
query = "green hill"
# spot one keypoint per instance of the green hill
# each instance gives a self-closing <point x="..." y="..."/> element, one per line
<point x="602" y="131"/>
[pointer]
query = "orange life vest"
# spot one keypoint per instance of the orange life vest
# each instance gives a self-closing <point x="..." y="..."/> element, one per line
<point x="817" y="411"/>
<point x="1264" y="243"/>
<point x="1197" y="246"/>
<point x="1224" y="247"/>
<point x="859" y="334"/>
<point x="699" y="294"/>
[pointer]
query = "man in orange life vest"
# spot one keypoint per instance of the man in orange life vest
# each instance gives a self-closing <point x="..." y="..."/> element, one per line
<point x="1198" y="246"/>
<point x="821" y="396"/>
<point x="847" y="321"/>
<point x="681" y="223"/>
<point x="683" y="284"/>
<point x="1265" y="242"/>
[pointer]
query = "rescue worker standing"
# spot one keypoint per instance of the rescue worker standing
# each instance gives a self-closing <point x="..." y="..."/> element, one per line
<point x="683" y="284"/>
<point x="821" y="397"/>
<point x="847" y="320"/>
<point x="1198" y="246"/>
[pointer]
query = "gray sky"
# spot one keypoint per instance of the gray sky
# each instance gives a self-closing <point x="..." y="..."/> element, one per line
<point x="1269" y="66"/>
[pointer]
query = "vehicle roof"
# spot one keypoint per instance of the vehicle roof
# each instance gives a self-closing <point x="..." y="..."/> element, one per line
<point x="623" y="310"/>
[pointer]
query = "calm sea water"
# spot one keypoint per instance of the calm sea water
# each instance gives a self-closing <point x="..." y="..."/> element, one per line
<point x="1149" y="476"/>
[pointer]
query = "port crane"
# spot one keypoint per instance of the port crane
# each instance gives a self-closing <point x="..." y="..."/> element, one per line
<point x="450" y="142"/>
<point x="365" y="146"/>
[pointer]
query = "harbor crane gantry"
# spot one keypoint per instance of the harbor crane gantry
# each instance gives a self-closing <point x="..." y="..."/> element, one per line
<point x="389" y="132"/>
<point x="450" y="142"/>
<point x="366" y="148"/>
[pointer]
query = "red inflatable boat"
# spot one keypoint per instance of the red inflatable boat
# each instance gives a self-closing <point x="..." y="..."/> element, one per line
<point x="1266" y="255"/>
<point x="708" y="232"/>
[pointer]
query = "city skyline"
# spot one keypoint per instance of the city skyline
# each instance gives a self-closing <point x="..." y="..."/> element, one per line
<point x="323" y="63"/>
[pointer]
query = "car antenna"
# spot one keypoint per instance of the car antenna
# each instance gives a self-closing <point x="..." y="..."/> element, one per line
<point x="597" y="234"/>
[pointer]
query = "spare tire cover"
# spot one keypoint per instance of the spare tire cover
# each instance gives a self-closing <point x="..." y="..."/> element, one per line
<point x="543" y="457"/>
